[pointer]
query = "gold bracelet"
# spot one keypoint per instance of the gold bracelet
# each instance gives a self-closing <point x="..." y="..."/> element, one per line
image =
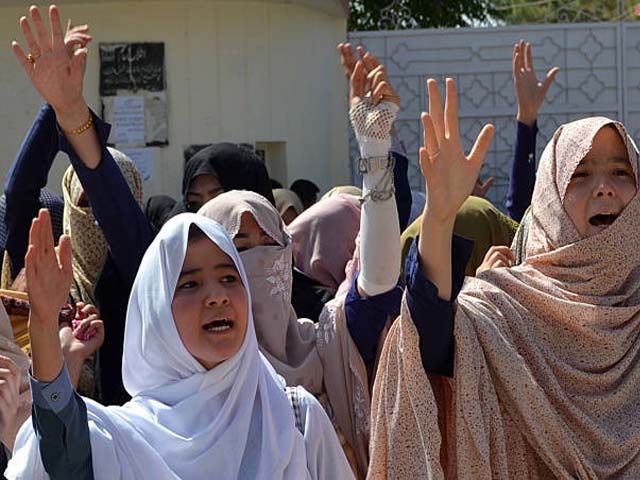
<point x="83" y="128"/>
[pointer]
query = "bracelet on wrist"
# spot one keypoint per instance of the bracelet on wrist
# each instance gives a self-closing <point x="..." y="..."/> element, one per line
<point x="83" y="128"/>
<point x="374" y="164"/>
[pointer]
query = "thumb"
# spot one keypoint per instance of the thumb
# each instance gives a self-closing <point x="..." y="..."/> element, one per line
<point x="486" y="186"/>
<point x="78" y="63"/>
<point x="551" y="74"/>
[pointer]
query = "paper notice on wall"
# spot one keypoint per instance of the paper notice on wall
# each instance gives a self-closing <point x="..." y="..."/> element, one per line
<point x="143" y="160"/>
<point x="128" y="120"/>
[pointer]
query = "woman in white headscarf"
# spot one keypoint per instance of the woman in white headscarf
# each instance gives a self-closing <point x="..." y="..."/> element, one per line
<point x="204" y="400"/>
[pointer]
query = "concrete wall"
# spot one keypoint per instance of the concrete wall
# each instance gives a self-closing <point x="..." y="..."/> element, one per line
<point x="236" y="71"/>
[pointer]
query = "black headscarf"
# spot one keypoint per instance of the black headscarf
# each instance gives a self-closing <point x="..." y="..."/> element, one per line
<point x="236" y="168"/>
<point x="158" y="209"/>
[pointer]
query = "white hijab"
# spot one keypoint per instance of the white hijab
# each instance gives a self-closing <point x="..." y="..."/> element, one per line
<point x="233" y="421"/>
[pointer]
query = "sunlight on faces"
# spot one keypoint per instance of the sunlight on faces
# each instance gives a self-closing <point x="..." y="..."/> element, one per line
<point x="602" y="185"/>
<point x="210" y="302"/>
<point x="250" y="234"/>
<point x="202" y="189"/>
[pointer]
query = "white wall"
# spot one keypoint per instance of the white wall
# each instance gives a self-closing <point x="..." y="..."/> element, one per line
<point x="237" y="71"/>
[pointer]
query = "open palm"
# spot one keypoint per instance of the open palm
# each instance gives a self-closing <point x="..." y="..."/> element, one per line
<point x="53" y="72"/>
<point x="450" y="174"/>
<point x="48" y="276"/>
<point x="531" y="91"/>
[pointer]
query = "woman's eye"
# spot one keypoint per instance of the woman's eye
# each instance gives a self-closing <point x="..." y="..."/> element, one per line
<point x="193" y="207"/>
<point x="187" y="285"/>
<point x="622" y="173"/>
<point x="579" y="175"/>
<point x="229" y="279"/>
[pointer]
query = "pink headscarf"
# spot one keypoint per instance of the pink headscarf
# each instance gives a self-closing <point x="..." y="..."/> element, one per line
<point x="546" y="354"/>
<point x="324" y="238"/>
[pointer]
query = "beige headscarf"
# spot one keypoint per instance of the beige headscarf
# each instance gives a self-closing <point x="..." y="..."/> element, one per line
<point x="321" y="357"/>
<point x="546" y="354"/>
<point x="286" y="199"/>
<point x="347" y="189"/>
<point x="87" y="241"/>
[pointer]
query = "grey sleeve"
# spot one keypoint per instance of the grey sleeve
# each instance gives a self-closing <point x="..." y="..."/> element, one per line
<point x="59" y="418"/>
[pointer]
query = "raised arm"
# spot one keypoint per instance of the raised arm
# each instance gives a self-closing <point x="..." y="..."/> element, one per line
<point x="30" y="170"/>
<point x="401" y="168"/>
<point x="531" y="93"/>
<point x="59" y="415"/>
<point x="374" y="105"/>
<point x="450" y="177"/>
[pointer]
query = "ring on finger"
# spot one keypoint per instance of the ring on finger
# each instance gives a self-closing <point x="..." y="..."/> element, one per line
<point x="435" y="154"/>
<point x="32" y="57"/>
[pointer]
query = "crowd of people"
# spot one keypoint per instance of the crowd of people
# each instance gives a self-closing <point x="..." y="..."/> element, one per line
<point x="246" y="330"/>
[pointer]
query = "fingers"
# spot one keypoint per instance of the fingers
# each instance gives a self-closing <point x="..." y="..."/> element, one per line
<point x="32" y="43"/>
<point x="90" y="309"/>
<point x="9" y="365"/>
<point x="56" y="28"/>
<point x="504" y="250"/>
<point x="551" y="75"/>
<point x="20" y="55"/>
<point x="431" y="141"/>
<point x="486" y="186"/>
<point x="483" y="142"/>
<point x="358" y="78"/>
<point x="47" y="230"/>
<point x="380" y="92"/>
<point x="347" y="58"/>
<point x="452" y="129"/>
<point x="380" y="87"/>
<point x="65" y="256"/>
<point x="369" y="60"/>
<point x="528" y="58"/>
<point x="435" y="108"/>
<point x="78" y="64"/>
<point x="41" y="29"/>
<point x="516" y="60"/>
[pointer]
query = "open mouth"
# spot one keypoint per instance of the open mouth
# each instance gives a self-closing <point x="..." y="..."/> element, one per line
<point x="603" y="219"/>
<point x="218" y="326"/>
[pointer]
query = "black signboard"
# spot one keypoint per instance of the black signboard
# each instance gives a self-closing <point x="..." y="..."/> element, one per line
<point x="132" y="67"/>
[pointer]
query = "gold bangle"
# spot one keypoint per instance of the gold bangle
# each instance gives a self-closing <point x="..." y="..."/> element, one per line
<point x="83" y="128"/>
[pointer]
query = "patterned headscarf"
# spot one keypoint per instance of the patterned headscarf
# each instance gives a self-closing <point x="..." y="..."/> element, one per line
<point x="545" y="376"/>
<point x="87" y="241"/>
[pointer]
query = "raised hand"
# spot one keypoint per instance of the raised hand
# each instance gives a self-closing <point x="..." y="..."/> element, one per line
<point x="81" y="339"/>
<point x="529" y="89"/>
<point x="57" y="77"/>
<point x="481" y="188"/>
<point x="9" y="400"/>
<point x="498" y="256"/>
<point x="48" y="276"/>
<point x="450" y="174"/>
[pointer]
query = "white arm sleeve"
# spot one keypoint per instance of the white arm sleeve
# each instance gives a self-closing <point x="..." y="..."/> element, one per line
<point x="379" y="224"/>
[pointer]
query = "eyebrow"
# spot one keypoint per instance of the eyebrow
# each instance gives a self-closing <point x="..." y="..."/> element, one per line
<point x="624" y="160"/>
<point x="220" y="266"/>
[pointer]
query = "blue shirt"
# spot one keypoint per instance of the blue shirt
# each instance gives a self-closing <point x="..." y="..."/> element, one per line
<point x="523" y="171"/>
<point x="59" y="417"/>
<point x="433" y="316"/>
<point x="25" y="191"/>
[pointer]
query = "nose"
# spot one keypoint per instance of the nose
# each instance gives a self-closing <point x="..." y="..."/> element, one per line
<point x="217" y="297"/>
<point x="604" y="187"/>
